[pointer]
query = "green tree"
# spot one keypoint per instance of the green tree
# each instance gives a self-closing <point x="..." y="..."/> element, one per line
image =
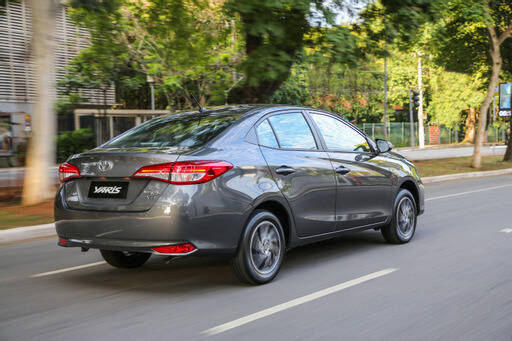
<point x="470" y="39"/>
<point x="275" y="33"/>
<point x="186" y="46"/>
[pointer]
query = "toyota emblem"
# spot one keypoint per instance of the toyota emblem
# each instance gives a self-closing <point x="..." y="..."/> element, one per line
<point x="105" y="165"/>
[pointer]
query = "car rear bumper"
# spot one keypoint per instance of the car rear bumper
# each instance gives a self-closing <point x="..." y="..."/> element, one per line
<point x="133" y="246"/>
<point x="188" y="214"/>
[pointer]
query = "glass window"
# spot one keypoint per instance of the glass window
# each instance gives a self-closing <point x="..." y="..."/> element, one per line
<point x="266" y="136"/>
<point x="292" y="131"/>
<point x="339" y="136"/>
<point x="179" y="130"/>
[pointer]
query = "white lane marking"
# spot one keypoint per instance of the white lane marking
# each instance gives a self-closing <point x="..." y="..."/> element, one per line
<point x="468" y="192"/>
<point x="506" y="230"/>
<point x="295" y="302"/>
<point x="67" y="269"/>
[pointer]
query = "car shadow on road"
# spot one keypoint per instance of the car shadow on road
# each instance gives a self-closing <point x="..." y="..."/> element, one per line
<point x="194" y="274"/>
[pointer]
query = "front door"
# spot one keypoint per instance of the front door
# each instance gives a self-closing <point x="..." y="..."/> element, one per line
<point x="363" y="187"/>
<point x="302" y="171"/>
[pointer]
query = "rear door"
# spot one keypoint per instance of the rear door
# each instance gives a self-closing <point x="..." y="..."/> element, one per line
<point x="302" y="171"/>
<point x="363" y="187"/>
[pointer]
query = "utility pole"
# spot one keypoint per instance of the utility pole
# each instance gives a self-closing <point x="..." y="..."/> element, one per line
<point x="411" y="119"/>
<point x="385" y="93"/>
<point x="151" y="82"/>
<point x="421" y="129"/>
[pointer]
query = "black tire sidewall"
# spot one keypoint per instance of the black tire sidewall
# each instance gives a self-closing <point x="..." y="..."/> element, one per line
<point x="404" y="193"/>
<point x="245" y="247"/>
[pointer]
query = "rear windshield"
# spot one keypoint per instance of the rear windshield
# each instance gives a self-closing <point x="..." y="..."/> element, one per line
<point x="182" y="130"/>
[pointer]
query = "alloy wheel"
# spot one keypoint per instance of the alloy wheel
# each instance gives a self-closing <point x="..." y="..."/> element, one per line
<point x="265" y="247"/>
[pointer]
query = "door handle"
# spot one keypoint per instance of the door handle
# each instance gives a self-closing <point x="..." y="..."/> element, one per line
<point x="285" y="170"/>
<point x="342" y="170"/>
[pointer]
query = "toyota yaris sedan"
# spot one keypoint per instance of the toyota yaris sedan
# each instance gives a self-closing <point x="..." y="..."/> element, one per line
<point x="249" y="182"/>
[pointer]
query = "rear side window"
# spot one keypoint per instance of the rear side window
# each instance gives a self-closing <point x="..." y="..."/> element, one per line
<point x="185" y="130"/>
<point x="266" y="136"/>
<point x="292" y="131"/>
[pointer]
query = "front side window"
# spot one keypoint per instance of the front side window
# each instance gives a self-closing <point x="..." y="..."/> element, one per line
<point x="339" y="136"/>
<point x="292" y="131"/>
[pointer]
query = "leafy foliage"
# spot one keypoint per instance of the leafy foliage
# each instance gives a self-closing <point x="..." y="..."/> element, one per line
<point x="74" y="142"/>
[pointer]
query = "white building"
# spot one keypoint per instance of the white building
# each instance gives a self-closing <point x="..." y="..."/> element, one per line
<point x="16" y="68"/>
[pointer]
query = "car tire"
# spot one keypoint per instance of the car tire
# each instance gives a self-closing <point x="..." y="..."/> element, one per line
<point x="402" y="227"/>
<point x="125" y="260"/>
<point x="261" y="249"/>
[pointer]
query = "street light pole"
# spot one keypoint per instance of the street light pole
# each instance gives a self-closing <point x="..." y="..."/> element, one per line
<point x="411" y="119"/>
<point x="151" y="82"/>
<point x="385" y="97"/>
<point x="421" y="131"/>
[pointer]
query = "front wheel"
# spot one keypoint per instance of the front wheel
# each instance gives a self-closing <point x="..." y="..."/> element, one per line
<point x="403" y="223"/>
<point x="124" y="259"/>
<point x="261" y="250"/>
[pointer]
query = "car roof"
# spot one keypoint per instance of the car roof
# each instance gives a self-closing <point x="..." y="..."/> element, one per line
<point x="243" y="109"/>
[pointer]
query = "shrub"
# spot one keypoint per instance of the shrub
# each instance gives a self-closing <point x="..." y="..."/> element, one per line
<point x="74" y="142"/>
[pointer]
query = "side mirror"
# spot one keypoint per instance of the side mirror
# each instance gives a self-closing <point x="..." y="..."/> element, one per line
<point x="384" y="146"/>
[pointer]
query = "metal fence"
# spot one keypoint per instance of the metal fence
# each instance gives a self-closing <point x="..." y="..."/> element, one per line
<point x="399" y="133"/>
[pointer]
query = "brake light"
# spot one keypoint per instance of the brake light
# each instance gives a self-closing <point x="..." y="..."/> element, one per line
<point x="158" y="172"/>
<point x="185" y="172"/>
<point x="68" y="171"/>
<point x="180" y="248"/>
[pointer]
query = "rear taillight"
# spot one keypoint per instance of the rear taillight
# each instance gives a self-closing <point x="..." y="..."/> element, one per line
<point x="158" y="172"/>
<point x="175" y="249"/>
<point x="68" y="171"/>
<point x="185" y="172"/>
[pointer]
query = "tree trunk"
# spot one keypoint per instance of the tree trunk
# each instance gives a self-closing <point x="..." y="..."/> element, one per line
<point x="476" y="160"/>
<point x="41" y="150"/>
<point x="469" y="137"/>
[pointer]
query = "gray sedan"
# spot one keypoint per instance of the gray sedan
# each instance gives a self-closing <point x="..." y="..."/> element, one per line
<point x="247" y="181"/>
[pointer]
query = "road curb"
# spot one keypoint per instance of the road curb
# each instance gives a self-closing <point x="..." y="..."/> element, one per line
<point x="27" y="232"/>
<point x="460" y="176"/>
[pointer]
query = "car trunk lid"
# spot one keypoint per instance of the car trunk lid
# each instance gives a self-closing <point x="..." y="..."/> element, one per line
<point x="106" y="183"/>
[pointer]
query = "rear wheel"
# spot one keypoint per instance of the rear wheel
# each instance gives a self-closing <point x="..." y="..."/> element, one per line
<point x="124" y="259"/>
<point x="261" y="250"/>
<point x="403" y="223"/>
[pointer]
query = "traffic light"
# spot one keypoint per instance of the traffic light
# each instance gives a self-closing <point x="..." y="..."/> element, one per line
<point x="416" y="98"/>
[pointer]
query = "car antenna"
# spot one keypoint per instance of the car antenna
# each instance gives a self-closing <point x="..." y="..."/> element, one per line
<point x="196" y="102"/>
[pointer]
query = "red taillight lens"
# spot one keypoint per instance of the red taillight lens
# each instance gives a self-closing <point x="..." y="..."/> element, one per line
<point x="185" y="172"/>
<point x="68" y="171"/>
<point x="63" y="241"/>
<point x="196" y="172"/>
<point x="159" y="172"/>
<point x="180" y="248"/>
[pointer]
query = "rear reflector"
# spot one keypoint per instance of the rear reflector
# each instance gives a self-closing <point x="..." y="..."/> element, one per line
<point x="63" y="241"/>
<point x="180" y="248"/>
<point x="68" y="171"/>
<point x="184" y="172"/>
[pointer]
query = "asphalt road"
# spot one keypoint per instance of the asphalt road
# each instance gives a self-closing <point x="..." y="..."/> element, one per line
<point x="452" y="282"/>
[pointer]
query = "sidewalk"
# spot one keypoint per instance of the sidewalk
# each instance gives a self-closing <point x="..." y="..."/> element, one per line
<point x="431" y="153"/>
